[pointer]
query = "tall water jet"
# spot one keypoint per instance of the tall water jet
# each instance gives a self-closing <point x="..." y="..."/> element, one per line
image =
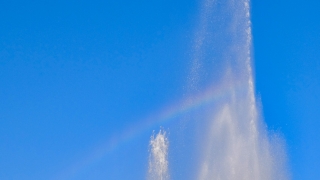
<point x="158" y="159"/>
<point x="236" y="145"/>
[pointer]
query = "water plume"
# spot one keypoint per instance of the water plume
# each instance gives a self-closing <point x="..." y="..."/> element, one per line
<point x="158" y="159"/>
<point x="228" y="138"/>
<point x="235" y="145"/>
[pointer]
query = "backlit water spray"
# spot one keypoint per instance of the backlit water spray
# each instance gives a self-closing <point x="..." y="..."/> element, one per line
<point x="229" y="139"/>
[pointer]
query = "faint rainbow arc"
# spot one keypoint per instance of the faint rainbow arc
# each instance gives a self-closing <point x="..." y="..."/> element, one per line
<point x="210" y="95"/>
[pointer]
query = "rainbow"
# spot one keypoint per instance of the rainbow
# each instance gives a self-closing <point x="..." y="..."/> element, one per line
<point x="213" y="94"/>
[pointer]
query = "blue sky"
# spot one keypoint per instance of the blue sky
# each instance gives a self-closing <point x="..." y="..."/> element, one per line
<point x="75" y="74"/>
<point x="288" y="77"/>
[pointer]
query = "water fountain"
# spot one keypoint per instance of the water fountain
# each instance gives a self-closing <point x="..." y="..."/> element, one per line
<point x="232" y="142"/>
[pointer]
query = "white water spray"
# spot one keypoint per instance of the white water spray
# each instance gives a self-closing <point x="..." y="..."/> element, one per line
<point x="236" y="145"/>
<point x="158" y="160"/>
<point x="232" y="142"/>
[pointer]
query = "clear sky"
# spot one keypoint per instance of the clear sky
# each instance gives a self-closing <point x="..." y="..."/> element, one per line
<point x="75" y="74"/>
